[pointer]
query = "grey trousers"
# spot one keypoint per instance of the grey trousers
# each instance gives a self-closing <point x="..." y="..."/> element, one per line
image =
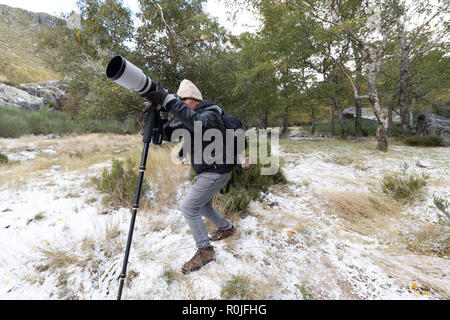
<point x="198" y="204"/>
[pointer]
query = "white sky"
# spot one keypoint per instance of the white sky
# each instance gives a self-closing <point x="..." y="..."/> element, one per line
<point x="55" y="7"/>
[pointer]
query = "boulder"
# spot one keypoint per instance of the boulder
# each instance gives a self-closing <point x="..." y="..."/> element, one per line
<point x="366" y="113"/>
<point x="17" y="98"/>
<point x="423" y="163"/>
<point x="432" y="124"/>
<point x="51" y="91"/>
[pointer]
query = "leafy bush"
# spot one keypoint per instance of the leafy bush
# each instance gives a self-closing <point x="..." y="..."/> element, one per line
<point x="119" y="184"/>
<point x="249" y="185"/>
<point x="425" y="141"/>
<point x="234" y="201"/>
<point x="404" y="186"/>
<point x="3" y="159"/>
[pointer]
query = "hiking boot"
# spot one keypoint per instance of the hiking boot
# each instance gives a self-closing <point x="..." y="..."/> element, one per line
<point x="201" y="257"/>
<point x="222" y="234"/>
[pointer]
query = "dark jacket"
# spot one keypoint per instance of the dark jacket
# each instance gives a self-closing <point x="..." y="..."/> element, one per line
<point x="209" y="114"/>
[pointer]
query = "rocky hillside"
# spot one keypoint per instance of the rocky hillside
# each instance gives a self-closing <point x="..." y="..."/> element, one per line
<point x="19" y="31"/>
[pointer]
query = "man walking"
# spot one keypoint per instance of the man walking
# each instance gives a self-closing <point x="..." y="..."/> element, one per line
<point x="209" y="179"/>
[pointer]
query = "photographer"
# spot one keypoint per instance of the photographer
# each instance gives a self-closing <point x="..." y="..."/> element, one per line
<point x="188" y="106"/>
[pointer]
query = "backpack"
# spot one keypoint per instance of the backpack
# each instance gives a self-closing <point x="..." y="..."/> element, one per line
<point x="232" y="122"/>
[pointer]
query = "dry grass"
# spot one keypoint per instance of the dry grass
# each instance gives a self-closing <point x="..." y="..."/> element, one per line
<point x="361" y="212"/>
<point x="73" y="153"/>
<point x="430" y="240"/>
<point x="164" y="173"/>
<point x="329" y="145"/>
<point x="58" y="257"/>
<point x="240" y="287"/>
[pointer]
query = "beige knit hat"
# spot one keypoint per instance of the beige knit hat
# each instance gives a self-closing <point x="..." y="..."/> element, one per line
<point x="188" y="90"/>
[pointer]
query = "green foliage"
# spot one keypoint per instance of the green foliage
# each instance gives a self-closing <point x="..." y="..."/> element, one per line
<point x="403" y="186"/>
<point x="15" y="123"/>
<point x="425" y="141"/>
<point x="3" y="159"/>
<point x="250" y="185"/>
<point x="236" y="201"/>
<point x="119" y="184"/>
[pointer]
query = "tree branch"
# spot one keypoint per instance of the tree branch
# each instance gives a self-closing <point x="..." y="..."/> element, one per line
<point x="355" y="91"/>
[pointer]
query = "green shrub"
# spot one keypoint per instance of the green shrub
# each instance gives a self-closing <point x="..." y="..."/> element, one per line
<point x="249" y="185"/>
<point x="3" y="159"/>
<point x="403" y="186"/>
<point x="119" y="184"/>
<point x="130" y="126"/>
<point x="15" y="123"/>
<point x="425" y="141"/>
<point x="236" y="201"/>
<point x="11" y="126"/>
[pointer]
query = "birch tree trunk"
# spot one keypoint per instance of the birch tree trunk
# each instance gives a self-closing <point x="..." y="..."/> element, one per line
<point x="382" y="136"/>
<point x="390" y="121"/>
<point x="373" y="53"/>
<point x="358" y="102"/>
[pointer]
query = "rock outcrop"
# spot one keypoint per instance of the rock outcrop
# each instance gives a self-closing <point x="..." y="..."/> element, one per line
<point x="366" y="113"/>
<point x="51" y="91"/>
<point x="17" y="98"/>
<point x="432" y="124"/>
<point x="32" y="95"/>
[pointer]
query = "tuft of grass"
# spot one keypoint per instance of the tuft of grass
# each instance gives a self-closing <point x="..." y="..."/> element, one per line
<point x="305" y="290"/>
<point x="425" y="141"/>
<point x="37" y="217"/>
<point x="441" y="203"/>
<point x="362" y="212"/>
<point x="237" y="287"/>
<point x="404" y="186"/>
<point x="430" y="240"/>
<point x="168" y="276"/>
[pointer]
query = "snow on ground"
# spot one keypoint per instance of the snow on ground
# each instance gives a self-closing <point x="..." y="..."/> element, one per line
<point x="57" y="243"/>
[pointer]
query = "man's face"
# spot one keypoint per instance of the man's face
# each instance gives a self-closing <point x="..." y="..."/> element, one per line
<point x="191" y="103"/>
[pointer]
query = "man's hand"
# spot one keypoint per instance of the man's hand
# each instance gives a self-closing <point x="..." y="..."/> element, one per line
<point x="157" y="96"/>
<point x="245" y="163"/>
